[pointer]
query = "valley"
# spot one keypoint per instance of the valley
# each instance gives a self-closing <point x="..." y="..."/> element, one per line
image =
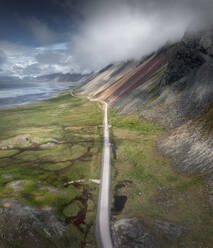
<point x="50" y="157"/>
<point x="160" y="126"/>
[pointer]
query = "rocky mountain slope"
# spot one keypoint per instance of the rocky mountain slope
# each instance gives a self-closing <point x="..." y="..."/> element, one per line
<point x="173" y="87"/>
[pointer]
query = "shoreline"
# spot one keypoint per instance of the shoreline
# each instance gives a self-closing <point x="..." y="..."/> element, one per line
<point x="54" y="95"/>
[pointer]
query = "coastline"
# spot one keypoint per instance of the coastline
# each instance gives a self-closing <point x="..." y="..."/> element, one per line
<point x="44" y="98"/>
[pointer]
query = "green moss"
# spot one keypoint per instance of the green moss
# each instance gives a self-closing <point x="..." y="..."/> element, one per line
<point x="30" y="185"/>
<point x="134" y="123"/>
<point x="71" y="126"/>
<point x="154" y="190"/>
<point x="7" y="153"/>
<point x="72" y="209"/>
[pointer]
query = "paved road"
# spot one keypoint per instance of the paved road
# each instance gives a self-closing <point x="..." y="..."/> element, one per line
<point x="104" y="204"/>
<point x="71" y="93"/>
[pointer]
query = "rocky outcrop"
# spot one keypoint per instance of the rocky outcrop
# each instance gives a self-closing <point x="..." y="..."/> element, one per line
<point x="23" y="226"/>
<point x="171" y="231"/>
<point x="190" y="145"/>
<point x="134" y="233"/>
<point x="18" y="141"/>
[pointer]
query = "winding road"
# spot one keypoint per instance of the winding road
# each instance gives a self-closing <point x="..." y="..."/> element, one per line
<point x="104" y="204"/>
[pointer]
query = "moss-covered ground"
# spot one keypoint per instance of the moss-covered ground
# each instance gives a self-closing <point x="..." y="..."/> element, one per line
<point x="43" y="148"/>
<point x="148" y="188"/>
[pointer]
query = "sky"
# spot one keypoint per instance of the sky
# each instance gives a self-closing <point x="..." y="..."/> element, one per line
<point x="50" y="36"/>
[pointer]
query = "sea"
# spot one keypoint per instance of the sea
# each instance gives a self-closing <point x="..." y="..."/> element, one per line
<point x="20" y="93"/>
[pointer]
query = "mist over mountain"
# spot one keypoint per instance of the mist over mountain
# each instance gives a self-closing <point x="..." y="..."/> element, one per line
<point x="114" y="31"/>
<point x="71" y="36"/>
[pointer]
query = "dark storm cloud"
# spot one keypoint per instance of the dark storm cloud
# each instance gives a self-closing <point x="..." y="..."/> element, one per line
<point x="16" y="17"/>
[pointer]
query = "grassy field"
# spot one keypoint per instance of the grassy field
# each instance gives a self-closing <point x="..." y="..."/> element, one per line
<point x="43" y="148"/>
<point x="149" y="189"/>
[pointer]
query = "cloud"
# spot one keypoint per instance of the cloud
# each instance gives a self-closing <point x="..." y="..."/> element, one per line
<point x="56" y="60"/>
<point x="117" y="30"/>
<point x="31" y="70"/>
<point x="41" y="31"/>
<point x="15" y="56"/>
<point x="98" y="32"/>
<point x="13" y="49"/>
<point x="21" y="61"/>
<point x="38" y="69"/>
<point x="3" y="57"/>
<point x="50" y="57"/>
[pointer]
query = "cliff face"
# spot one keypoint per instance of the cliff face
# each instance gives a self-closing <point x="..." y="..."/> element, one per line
<point x="173" y="87"/>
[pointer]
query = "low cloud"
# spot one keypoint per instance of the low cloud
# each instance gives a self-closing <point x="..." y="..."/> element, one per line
<point x="21" y="61"/>
<point x="97" y="33"/>
<point x="50" y="57"/>
<point x="54" y="61"/>
<point x="122" y="29"/>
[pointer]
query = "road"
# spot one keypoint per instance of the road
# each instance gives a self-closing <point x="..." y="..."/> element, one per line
<point x="71" y="93"/>
<point x="104" y="204"/>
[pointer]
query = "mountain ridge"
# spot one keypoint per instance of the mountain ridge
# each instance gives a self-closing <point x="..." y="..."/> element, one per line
<point x="61" y="77"/>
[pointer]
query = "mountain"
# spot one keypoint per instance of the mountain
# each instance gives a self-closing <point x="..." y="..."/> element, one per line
<point x="174" y="87"/>
<point x="60" y="77"/>
<point x="5" y="79"/>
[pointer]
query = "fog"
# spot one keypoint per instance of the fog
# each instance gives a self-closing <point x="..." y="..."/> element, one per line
<point x="113" y="31"/>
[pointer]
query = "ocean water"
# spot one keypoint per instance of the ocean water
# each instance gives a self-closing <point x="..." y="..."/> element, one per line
<point x="20" y="93"/>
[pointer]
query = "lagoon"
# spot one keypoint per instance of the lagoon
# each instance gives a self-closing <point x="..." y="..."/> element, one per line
<point x="20" y="93"/>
